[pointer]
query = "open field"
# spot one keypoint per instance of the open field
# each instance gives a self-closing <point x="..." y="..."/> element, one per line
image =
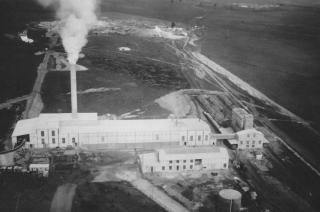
<point x="135" y="80"/>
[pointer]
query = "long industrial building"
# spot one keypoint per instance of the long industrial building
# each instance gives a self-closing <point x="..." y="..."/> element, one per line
<point x="61" y="130"/>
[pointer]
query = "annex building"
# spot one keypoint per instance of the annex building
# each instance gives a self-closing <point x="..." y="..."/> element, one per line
<point x="184" y="159"/>
<point x="61" y="130"/>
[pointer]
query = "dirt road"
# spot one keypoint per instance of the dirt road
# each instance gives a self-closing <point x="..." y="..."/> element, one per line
<point x="62" y="200"/>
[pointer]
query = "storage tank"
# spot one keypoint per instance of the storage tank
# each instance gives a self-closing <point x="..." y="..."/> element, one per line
<point x="229" y="201"/>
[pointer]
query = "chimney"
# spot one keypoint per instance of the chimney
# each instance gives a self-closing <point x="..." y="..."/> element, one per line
<point x="73" y="79"/>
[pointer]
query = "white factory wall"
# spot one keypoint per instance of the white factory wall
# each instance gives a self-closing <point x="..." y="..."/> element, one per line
<point x="161" y="162"/>
<point x="47" y="131"/>
<point x="249" y="139"/>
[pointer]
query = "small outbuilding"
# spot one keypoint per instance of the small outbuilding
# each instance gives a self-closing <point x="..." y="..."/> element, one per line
<point x="184" y="159"/>
<point x="41" y="168"/>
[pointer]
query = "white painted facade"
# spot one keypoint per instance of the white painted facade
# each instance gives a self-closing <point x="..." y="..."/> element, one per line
<point x="184" y="159"/>
<point x="53" y="130"/>
<point x="42" y="168"/>
<point x="249" y="139"/>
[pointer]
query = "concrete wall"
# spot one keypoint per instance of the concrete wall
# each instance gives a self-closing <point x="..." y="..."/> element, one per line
<point x="52" y="138"/>
<point x="188" y="163"/>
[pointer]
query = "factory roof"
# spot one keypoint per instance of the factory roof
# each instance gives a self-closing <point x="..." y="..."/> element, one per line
<point x="47" y="121"/>
<point x="133" y="125"/>
<point x="192" y="152"/>
<point x="248" y="131"/>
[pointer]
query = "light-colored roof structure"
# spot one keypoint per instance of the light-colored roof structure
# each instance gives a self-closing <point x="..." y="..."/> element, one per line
<point x="180" y="153"/>
<point x="89" y="123"/>
<point x="39" y="165"/>
<point x="248" y="131"/>
<point x="48" y="120"/>
<point x="133" y="125"/>
<point x="201" y="152"/>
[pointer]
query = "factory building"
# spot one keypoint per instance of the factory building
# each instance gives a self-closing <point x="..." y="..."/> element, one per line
<point x="241" y="119"/>
<point x="248" y="139"/>
<point x="184" y="159"/>
<point x="62" y="130"/>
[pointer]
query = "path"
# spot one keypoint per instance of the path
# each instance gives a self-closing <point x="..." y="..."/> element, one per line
<point x="158" y="196"/>
<point x="34" y="103"/>
<point x="62" y="200"/>
<point x="9" y="102"/>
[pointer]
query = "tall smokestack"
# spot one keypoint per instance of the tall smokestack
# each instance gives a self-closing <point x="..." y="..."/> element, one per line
<point x="74" y="101"/>
<point x="76" y="17"/>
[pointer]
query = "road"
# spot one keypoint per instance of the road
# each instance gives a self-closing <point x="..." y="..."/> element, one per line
<point x="62" y="200"/>
<point x="158" y="196"/>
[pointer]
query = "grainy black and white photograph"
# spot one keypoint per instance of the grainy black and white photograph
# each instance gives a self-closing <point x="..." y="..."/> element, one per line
<point x="159" y="105"/>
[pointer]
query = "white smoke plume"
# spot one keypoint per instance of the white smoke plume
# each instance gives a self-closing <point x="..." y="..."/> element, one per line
<point x="77" y="18"/>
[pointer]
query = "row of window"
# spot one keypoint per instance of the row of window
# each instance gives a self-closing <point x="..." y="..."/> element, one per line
<point x="53" y="140"/>
<point x="206" y="137"/>
<point x="183" y="138"/>
<point x="176" y="167"/>
<point x="53" y="133"/>
<point x="178" y="161"/>
<point x="253" y="142"/>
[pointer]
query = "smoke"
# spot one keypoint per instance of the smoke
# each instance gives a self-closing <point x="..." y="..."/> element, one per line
<point x="77" y="18"/>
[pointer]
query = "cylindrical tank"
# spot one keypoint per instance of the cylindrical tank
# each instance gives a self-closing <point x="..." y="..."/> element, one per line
<point x="229" y="201"/>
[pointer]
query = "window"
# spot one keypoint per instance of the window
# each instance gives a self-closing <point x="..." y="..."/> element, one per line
<point x="53" y="140"/>
<point x="163" y="168"/>
<point x="206" y="137"/>
<point x="170" y="161"/>
<point x="42" y="133"/>
<point x="253" y="142"/>
<point x="170" y="167"/>
<point x="42" y="140"/>
<point x="248" y="135"/>
<point x="157" y="137"/>
<point x="224" y="165"/>
<point x="191" y="161"/>
<point x="254" y="135"/>
<point x="53" y="133"/>
<point x="241" y="142"/>
<point x="185" y="143"/>
<point x="73" y="140"/>
<point x="102" y="139"/>
<point x="182" y="138"/>
<point x="191" y="138"/>
<point x="199" y="137"/>
<point x="184" y="161"/>
<point x="247" y="142"/>
<point x="198" y="161"/>
<point x="177" y="167"/>
<point x="63" y="140"/>
<point x="252" y="145"/>
<point x="260" y="142"/>
<point x="247" y="146"/>
<point x="191" y="167"/>
<point x="177" y="161"/>
<point x="184" y="166"/>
